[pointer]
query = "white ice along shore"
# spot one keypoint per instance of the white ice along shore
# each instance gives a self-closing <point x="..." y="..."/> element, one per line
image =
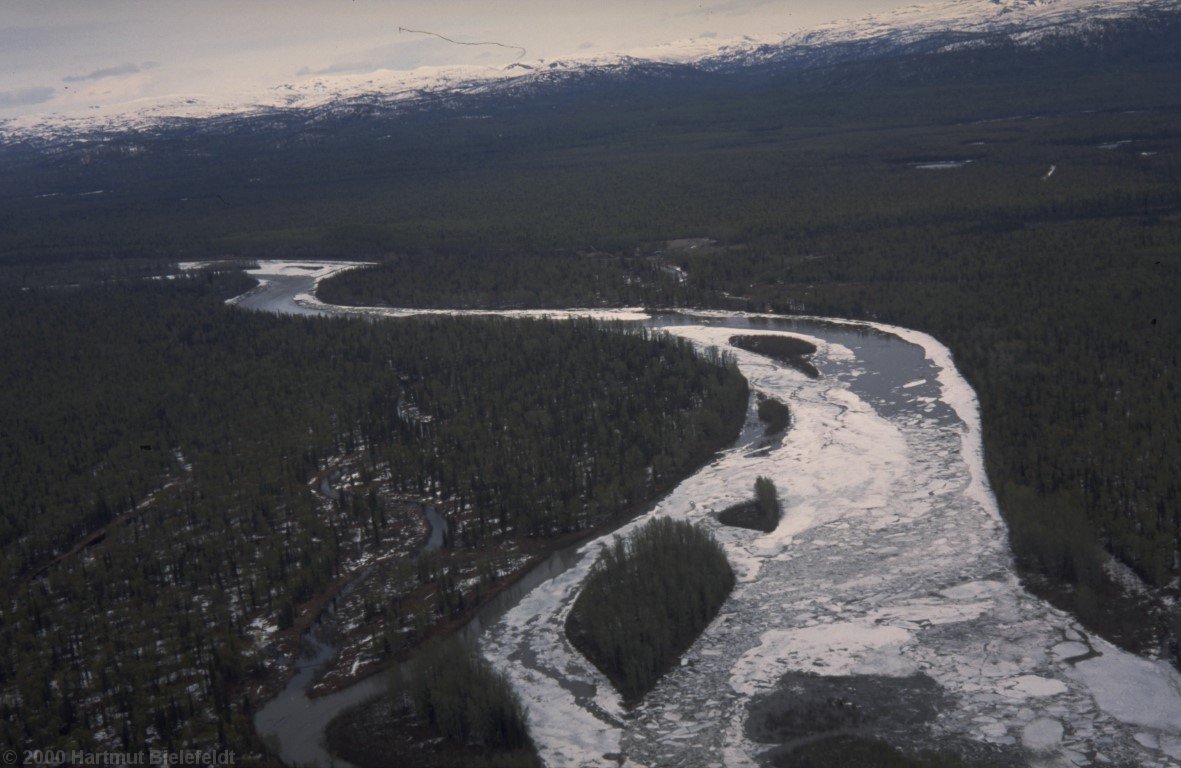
<point x="289" y="286"/>
<point x="891" y="561"/>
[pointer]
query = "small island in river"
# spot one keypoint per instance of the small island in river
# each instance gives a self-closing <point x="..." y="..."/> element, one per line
<point x="789" y="350"/>
<point x="646" y="600"/>
<point x="761" y="513"/>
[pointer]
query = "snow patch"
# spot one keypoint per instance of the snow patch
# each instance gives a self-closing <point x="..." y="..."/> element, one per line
<point x="1042" y="734"/>
<point x="1032" y="686"/>
<point x="825" y="649"/>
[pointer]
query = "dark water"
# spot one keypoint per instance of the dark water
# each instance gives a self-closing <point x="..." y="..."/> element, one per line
<point x="277" y="295"/>
<point x="805" y="708"/>
<point x="883" y="363"/>
<point x="806" y="705"/>
<point x="295" y="723"/>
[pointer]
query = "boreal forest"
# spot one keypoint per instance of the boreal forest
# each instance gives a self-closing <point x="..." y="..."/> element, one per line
<point x="156" y="483"/>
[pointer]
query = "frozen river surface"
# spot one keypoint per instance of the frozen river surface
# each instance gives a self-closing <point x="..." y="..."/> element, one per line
<point x="888" y="583"/>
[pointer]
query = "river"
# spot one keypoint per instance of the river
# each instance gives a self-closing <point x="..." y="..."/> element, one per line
<point x="889" y="579"/>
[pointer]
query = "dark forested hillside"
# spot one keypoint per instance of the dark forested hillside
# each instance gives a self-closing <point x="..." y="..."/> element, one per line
<point x="749" y="157"/>
<point x="464" y="280"/>
<point x="155" y="509"/>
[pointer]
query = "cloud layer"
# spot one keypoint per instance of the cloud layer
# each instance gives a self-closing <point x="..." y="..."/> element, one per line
<point x="98" y="52"/>
<point x="23" y="97"/>
<point x="116" y="71"/>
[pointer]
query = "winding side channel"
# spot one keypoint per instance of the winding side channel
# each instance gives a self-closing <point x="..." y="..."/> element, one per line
<point x="889" y="572"/>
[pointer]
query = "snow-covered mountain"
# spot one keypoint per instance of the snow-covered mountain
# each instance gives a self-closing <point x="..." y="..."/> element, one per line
<point x="943" y="25"/>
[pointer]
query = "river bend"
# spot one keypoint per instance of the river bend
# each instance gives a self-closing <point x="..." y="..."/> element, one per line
<point x="889" y="572"/>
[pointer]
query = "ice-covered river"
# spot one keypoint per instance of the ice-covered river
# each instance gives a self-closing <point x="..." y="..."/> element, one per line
<point x="888" y="583"/>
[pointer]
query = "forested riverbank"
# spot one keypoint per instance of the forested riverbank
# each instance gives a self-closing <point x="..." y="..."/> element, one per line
<point x="190" y="430"/>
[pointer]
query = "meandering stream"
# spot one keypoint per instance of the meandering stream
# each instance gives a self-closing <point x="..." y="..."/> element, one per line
<point x="889" y="579"/>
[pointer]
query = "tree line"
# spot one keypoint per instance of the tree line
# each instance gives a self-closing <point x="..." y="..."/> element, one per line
<point x="762" y="513"/>
<point x="471" y="278"/>
<point x="788" y="350"/>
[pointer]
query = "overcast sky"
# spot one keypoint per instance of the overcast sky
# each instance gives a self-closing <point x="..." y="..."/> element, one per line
<point x="59" y="55"/>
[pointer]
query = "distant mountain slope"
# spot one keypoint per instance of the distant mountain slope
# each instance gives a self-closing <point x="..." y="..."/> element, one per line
<point x="949" y="25"/>
<point x="600" y="157"/>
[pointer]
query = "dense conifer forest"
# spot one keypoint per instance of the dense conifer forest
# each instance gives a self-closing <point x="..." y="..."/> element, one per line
<point x="774" y="414"/>
<point x="449" y="708"/>
<point x="463" y="698"/>
<point x="646" y="600"/>
<point x="157" y="515"/>
<point x="456" y="694"/>
<point x="461" y="279"/>
<point x="786" y="349"/>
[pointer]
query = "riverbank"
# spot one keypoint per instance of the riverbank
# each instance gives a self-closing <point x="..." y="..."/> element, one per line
<point x="293" y="721"/>
<point x="524" y="552"/>
<point x="891" y="560"/>
<point x="885" y="460"/>
<point x="549" y="550"/>
<point x="368" y="734"/>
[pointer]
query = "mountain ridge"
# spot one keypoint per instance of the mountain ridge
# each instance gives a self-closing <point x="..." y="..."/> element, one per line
<point x="932" y="28"/>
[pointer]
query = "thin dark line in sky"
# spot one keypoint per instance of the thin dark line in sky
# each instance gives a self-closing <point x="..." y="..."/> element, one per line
<point x="460" y="42"/>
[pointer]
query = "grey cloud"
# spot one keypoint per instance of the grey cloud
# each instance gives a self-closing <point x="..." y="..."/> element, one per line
<point x="404" y="54"/>
<point x="26" y="39"/>
<point x="116" y="71"/>
<point x="338" y="69"/>
<point x="729" y="8"/>
<point x="25" y="96"/>
<point x="412" y="53"/>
